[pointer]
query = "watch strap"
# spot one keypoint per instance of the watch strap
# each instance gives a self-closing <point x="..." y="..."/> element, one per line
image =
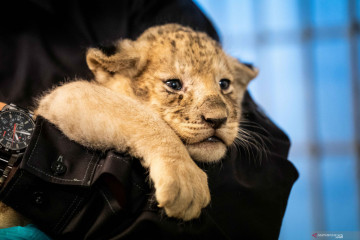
<point x="3" y="163"/>
<point x="9" y="164"/>
<point x="3" y="159"/>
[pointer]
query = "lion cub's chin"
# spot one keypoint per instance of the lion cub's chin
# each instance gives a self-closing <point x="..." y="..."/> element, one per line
<point x="207" y="151"/>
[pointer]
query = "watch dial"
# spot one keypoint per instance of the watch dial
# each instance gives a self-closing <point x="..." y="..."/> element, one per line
<point x="16" y="129"/>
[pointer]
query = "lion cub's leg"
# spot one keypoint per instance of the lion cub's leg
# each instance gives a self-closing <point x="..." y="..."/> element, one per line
<point x="100" y="118"/>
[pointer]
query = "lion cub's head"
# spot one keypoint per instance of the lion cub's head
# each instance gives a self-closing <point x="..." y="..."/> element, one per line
<point x="185" y="77"/>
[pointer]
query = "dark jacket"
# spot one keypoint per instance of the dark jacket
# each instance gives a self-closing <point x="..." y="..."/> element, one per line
<point x="106" y="195"/>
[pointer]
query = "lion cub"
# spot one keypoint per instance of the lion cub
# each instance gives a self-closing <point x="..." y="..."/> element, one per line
<point x="169" y="98"/>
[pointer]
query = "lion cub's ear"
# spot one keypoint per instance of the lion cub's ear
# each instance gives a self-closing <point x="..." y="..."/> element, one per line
<point x="128" y="60"/>
<point x="244" y="72"/>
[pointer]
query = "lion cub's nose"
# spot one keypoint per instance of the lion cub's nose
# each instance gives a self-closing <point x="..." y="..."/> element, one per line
<point x="215" y="122"/>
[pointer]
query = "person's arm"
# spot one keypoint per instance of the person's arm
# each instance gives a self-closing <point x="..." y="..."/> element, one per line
<point x="2" y="105"/>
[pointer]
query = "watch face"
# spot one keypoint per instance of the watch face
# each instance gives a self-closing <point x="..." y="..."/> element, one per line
<point x="16" y="129"/>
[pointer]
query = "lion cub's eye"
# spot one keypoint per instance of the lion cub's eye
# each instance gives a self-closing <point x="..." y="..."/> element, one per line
<point x="224" y="84"/>
<point x="174" y="84"/>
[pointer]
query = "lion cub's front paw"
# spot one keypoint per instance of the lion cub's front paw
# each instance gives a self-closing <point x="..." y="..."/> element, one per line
<point x="181" y="189"/>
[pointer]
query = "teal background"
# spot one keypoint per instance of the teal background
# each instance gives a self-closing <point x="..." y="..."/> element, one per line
<point x="29" y="232"/>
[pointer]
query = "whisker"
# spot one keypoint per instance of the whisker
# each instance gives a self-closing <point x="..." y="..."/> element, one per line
<point x="252" y="143"/>
<point x="247" y="123"/>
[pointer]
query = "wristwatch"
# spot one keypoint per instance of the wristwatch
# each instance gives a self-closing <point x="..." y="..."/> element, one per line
<point x="16" y="128"/>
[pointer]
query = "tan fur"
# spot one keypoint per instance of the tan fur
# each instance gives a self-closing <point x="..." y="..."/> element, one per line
<point x="10" y="218"/>
<point x="129" y="108"/>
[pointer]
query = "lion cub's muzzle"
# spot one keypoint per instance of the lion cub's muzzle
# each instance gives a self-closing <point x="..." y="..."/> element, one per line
<point x="214" y="112"/>
<point x="214" y="123"/>
<point x="214" y="115"/>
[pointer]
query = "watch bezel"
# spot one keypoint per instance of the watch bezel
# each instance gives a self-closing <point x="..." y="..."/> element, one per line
<point x="5" y="149"/>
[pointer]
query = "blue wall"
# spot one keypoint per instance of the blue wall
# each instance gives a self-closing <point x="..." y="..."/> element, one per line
<point x="307" y="52"/>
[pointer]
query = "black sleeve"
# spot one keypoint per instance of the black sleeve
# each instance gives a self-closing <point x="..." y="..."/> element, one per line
<point x="71" y="192"/>
<point x="46" y="41"/>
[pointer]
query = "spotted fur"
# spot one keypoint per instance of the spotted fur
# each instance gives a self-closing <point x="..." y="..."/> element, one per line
<point x="129" y="107"/>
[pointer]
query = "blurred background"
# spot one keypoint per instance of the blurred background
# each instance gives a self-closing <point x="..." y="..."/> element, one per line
<point x="308" y="55"/>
